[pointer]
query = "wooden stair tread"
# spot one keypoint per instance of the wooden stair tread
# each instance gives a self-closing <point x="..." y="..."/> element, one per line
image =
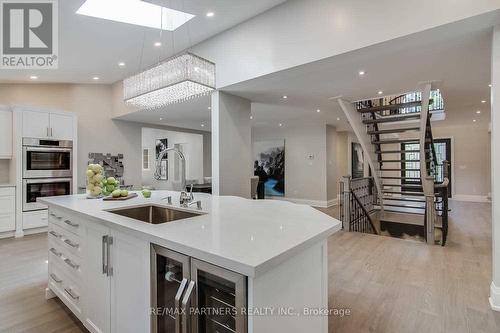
<point x="390" y="107"/>
<point x="395" y="130"/>
<point x="392" y="119"/>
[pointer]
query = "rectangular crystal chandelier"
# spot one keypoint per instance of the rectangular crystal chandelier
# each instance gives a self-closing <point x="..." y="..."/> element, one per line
<point x="174" y="80"/>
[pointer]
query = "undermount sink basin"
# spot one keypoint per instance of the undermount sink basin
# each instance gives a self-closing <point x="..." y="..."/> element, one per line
<point x="154" y="214"/>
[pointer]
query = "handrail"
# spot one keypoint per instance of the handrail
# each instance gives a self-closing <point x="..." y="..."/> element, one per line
<point x="367" y="215"/>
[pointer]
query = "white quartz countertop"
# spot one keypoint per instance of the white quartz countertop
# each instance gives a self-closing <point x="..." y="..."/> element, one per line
<point x="246" y="236"/>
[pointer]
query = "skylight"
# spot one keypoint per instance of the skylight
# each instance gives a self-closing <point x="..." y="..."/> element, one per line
<point x="135" y="12"/>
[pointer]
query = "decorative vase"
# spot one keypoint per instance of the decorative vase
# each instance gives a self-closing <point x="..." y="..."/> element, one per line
<point x="95" y="179"/>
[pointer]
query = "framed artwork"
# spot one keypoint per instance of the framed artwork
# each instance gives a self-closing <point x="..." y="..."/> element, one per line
<point x="357" y="161"/>
<point x="269" y="165"/>
<point x="161" y="145"/>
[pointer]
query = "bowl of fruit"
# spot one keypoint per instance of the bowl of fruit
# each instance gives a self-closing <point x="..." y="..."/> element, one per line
<point x="95" y="179"/>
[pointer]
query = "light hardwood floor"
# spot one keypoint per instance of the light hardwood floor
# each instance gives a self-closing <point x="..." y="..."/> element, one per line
<point x="390" y="285"/>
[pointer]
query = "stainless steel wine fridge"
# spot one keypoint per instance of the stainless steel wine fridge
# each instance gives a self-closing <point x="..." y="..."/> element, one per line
<point x="192" y="296"/>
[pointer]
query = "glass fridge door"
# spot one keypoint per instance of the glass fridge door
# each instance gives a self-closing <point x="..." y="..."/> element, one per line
<point x="170" y="276"/>
<point x="219" y="299"/>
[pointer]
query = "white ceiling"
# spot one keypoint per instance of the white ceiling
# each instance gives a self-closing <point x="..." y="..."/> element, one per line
<point x="91" y="47"/>
<point x="457" y="55"/>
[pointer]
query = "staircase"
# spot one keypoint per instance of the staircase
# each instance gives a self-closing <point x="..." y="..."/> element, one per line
<point x="396" y="136"/>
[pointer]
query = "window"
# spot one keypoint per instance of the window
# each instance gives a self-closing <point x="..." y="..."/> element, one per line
<point x="145" y="159"/>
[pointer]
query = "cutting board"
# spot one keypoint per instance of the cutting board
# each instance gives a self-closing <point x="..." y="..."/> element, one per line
<point x="130" y="196"/>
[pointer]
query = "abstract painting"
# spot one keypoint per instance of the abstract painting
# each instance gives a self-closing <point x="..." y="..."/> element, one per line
<point x="161" y="145"/>
<point x="357" y="164"/>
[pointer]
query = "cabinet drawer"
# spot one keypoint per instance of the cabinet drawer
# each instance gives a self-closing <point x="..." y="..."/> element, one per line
<point x="66" y="221"/>
<point x="7" y="222"/>
<point x="7" y="192"/>
<point x="7" y="205"/>
<point x="36" y="219"/>
<point x="69" y="291"/>
<point x="71" y="264"/>
<point x="68" y="240"/>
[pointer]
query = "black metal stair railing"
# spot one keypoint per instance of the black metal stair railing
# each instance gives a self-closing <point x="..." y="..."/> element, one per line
<point x="357" y="200"/>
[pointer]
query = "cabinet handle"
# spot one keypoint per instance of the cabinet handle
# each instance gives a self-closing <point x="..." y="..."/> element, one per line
<point x="51" y="134"/>
<point x="48" y="131"/>
<point x="55" y="234"/>
<point x="71" y="264"/>
<point x="109" y="271"/>
<point x="72" y="224"/>
<point x="58" y="254"/>
<point x="104" y="249"/>
<point x="70" y="292"/>
<point x="177" y="305"/>
<point x="185" y="301"/>
<point x="55" y="278"/>
<point x="72" y="244"/>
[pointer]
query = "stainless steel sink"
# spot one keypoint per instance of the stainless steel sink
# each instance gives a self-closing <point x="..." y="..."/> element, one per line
<point x="154" y="214"/>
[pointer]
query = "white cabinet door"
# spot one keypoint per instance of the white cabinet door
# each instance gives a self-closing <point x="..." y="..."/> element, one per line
<point x="6" y="134"/>
<point x="130" y="291"/>
<point x="61" y="126"/>
<point x="97" y="283"/>
<point x="36" y="124"/>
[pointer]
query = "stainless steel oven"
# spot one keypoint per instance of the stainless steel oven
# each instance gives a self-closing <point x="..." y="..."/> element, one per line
<point x="47" y="158"/>
<point x="44" y="187"/>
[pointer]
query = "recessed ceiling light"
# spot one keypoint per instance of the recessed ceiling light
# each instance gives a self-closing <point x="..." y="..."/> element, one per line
<point x="380" y="92"/>
<point x="210" y="14"/>
<point x="210" y="108"/>
<point x="157" y="44"/>
<point x="473" y="120"/>
<point x="161" y="118"/>
<point x="202" y="125"/>
<point x="95" y="78"/>
<point x="285" y="96"/>
<point x="281" y="124"/>
<point x="483" y="101"/>
<point x="361" y="73"/>
<point x="121" y="64"/>
<point x="135" y="12"/>
<point x="318" y="110"/>
<point x="478" y="111"/>
<point x="251" y="117"/>
<point x="489" y="85"/>
<point x="34" y="77"/>
<point x="338" y="119"/>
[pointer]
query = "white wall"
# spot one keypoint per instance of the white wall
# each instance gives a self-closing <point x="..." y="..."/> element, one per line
<point x="305" y="179"/>
<point x="302" y="31"/>
<point x="332" y="155"/>
<point x="192" y="145"/>
<point x="231" y="145"/>
<point x="97" y="132"/>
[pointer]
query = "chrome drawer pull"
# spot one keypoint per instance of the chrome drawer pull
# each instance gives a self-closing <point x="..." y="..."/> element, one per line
<point x="70" y="243"/>
<point x="55" y="278"/>
<point x="68" y="222"/>
<point x="71" y="294"/>
<point x="54" y="251"/>
<point x="71" y="264"/>
<point x="55" y="234"/>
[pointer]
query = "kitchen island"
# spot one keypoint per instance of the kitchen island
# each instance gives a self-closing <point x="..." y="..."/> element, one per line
<point x="114" y="267"/>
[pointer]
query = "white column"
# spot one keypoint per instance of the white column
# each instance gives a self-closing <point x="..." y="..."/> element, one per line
<point x="231" y="145"/>
<point x="495" y="165"/>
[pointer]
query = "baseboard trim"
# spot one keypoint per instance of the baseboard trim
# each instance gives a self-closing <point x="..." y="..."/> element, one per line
<point x="470" y="198"/>
<point x="494" y="297"/>
<point x="314" y="203"/>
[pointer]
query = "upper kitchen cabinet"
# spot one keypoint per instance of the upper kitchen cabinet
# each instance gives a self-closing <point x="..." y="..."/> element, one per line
<point x="5" y="133"/>
<point x="47" y="125"/>
<point x="61" y="126"/>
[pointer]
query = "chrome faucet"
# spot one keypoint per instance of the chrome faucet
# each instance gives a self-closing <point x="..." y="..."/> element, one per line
<point x="157" y="174"/>
<point x="187" y="198"/>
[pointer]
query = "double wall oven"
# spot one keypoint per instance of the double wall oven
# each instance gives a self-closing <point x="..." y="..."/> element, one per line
<point x="47" y="170"/>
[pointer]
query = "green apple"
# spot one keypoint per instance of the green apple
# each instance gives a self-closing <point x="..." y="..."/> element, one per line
<point x="96" y="191"/>
<point x="104" y="182"/>
<point x="90" y="187"/>
<point x="124" y="193"/>
<point x="146" y="193"/>
<point x="97" y="178"/>
<point x="116" y="193"/>
<point x="111" y="181"/>
<point x="90" y="174"/>
<point x="110" y="188"/>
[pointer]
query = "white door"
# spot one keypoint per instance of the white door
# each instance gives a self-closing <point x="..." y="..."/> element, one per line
<point x="130" y="284"/>
<point x="97" y="293"/>
<point x="61" y="126"/>
<point x="36" y="124"/>
<point x="6" y="134"/>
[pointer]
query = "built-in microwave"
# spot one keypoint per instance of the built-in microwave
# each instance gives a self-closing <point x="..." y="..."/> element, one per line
<point x="44" y="187"/>
<point x="47" y="158"/>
